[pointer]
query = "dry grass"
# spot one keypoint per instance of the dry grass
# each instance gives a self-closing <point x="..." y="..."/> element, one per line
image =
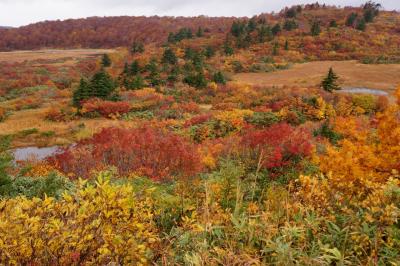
<point x="65" y="132"/>
<point x="21" y="56"/>
<point x="351" y="73"/>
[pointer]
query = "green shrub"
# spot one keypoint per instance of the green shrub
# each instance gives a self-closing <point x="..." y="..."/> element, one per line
<point x="27" y="132"/>
<point x="264" y="119"/>
<point x="366" y="102"/>
<point x="37" y="187"/>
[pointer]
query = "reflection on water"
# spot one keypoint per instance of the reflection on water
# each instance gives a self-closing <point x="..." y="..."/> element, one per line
<point x="22" y="154"/>
<point x="364" y="91"/>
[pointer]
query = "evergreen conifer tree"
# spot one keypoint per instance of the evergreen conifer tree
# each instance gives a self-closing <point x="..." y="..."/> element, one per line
<point x="315" y="28"/>
<point x="102" y="85"/>
<point x="361" y="25"/>
<point x="219" y="78"/>
<point x="276" y="29"/>
<point x="329" y="83"/>
<point x="106" y="61"/>
<point x="83" y="92"/>
<point x="169" y="57"/>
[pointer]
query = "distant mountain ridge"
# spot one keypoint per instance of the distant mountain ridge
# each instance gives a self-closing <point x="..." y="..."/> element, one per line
<point x="122" y="31"/>
<point x="104" y="32"/>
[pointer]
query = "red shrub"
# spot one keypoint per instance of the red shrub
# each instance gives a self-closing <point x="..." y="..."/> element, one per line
<point x="277" y="146"/>
<point x="189" y="107"/>
<point x="197" y="120"/>
<point x="106" y="108"/>
<point x="145" y="151"/>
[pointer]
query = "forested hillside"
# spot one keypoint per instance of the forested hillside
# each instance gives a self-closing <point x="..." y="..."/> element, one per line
<point x="295" y="22"/>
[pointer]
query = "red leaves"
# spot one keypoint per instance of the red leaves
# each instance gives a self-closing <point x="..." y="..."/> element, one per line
<point x="145" y="151"/>
<point x="197" y="120"/>
<point x="106" y="108"/>
<point x="278" y="145"/>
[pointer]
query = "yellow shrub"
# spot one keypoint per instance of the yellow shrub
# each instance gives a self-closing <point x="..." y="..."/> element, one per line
<point x="235" y="117"/>
<point x="97" y="225"/>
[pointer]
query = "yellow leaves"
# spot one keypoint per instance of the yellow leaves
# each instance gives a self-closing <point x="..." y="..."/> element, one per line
<point x="105" y="221"/>
<point x="235" y="117"/>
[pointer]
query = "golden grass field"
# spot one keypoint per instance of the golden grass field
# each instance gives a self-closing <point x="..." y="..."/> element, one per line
<point x="351" y="73"/>
<point x="50" y="54"/>
<point x="65" y="132"/>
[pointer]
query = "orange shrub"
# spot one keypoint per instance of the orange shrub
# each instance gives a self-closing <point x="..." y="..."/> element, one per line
<point x="2" y="114"/>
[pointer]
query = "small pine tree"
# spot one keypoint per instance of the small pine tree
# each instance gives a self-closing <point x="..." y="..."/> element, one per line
<point x="351" y="19"/>
<point x="200" y="32"/>
<point x="197" y="80"/>
<point x="209" y="51"/>
<point x="329" y="83"/>
<point x="136" y="83"/>
<point x="333" y="24"/>
<point x="126" y="69"/>
<point x="252" y="25"/>
<point x="169" y="57"/>
<point x="219" y="78"/>
<point x="228" y="50"/>
<point x="361" y="25"/>
<point x="137" y="48"/>
<point x="286" y="45"/>
<point x="134" y="68"/>
<point x="315" y="28"/>
<point x="264" y="33"/>
<point x="276" y="29"/>
<point x="275" y="49"/>
<point x="106" y="61"/>
<point x="290" y="24"/>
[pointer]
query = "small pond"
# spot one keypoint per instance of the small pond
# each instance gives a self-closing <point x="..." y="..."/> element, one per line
<point x="22" y="154"/>
<point x="364" y="91"/>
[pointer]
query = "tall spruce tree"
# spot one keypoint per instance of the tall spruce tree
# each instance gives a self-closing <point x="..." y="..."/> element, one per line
<point x="102" y="85"/>
<point x="329" y="83"/>
<point x="83" y="92"/>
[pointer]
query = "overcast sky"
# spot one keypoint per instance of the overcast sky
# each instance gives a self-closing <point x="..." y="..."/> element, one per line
<point x="23" y="12"/>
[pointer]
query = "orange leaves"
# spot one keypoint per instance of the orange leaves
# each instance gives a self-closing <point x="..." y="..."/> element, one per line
<point x="366" y="157"/>
<point x="2" y="114"/>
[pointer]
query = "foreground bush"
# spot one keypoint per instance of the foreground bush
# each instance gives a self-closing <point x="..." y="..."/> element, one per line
<point x="277" y="146"/>
<point x="97" y="225"/>
<point x="51" y="185"/>
<point x="143" y="151"/>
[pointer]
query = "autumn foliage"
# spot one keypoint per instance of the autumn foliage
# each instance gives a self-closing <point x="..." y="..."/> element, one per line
<point x="95" y="225"/>
<point x="278" y="145"/>
<point x="144" y="151"/>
